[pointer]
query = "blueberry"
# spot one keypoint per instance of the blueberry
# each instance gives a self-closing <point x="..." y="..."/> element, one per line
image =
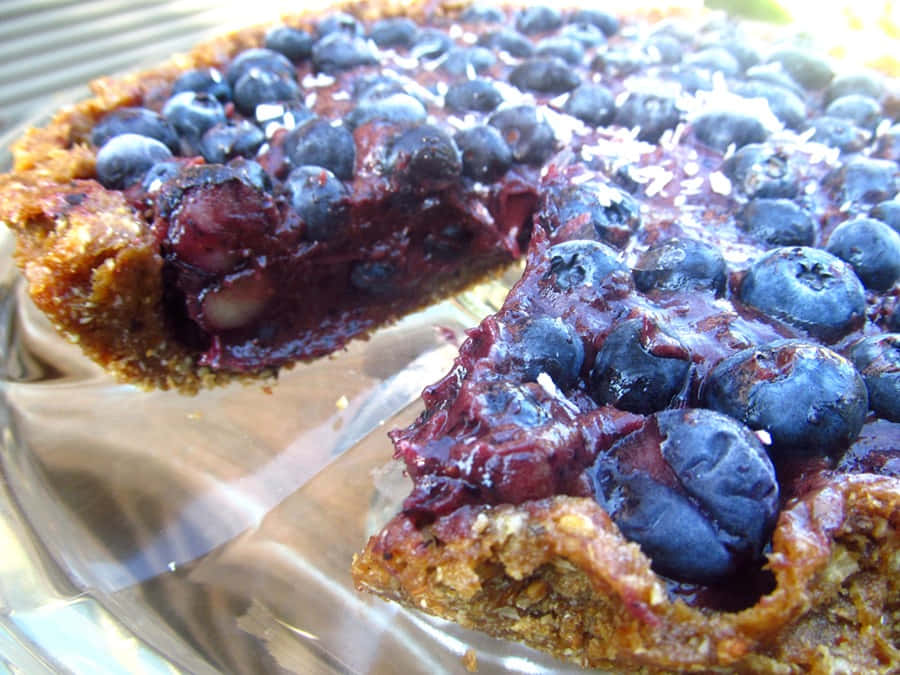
<point x="448" y="243"/>
<point x="478" y="95"/>
<point x="773" y="74"/>
<point x="639" y="368"/>
<point x="715" y="59"/>
<point x="758" y="170"/>
<point x="426" y="156"/>
<point x="392" y="109"/>
<point x="568" y="49"/>
<point x="158" y="174"/>
<point x="778" y="222"/>
<point x="140" y="121"/>
<point x="807" y="288"/>
<point x="191" y="114"/>
<point x="261" y="59"/>
<point x="485" y="155"/>
<point x="528" y="134"/>
<point x="605" y="21"/>
<point x="809" y="399"/>
<point x="865" y="84"/>
<point x="375" y="277"/>
<point x="545" y="75"/>
<point x="867" y="180"/>
<point x="339" y="22"/>
<point x="320" y="143"/>
<point x="550" y="346"/>
<point x="872" y="249"/>
<point x="281" y="115"/>
<point x="888" y="146"/>
<point x="126" y="158"/>
<point x="203" y="80"/>
<point x="251" y="173"/>
<point x="538" y="19"/>
<point x="652" y="114"/>
<point x="261" y="86"/>
<point x="747" y="54"/>
<point x="587" y="34"/>
<point x="294" y="43"/>
<point x="506" y="40"/>
<point x="431" y="43"/>
<point x="695" y="490"/>
<point x="863" y="111"/>
<point x="339" y="51"/>
<point x="784" y="104"/>
<point x="468" y="60"/>
<point x="691" y="79"/>
<point x="223" y="141"/>
<point x="680" y="264"/>
<point x="597" y="211"/>
<point x="806" y="68"/>
<point x="392" y="32"/>
<point x="839" y="133"/>
<point x="619" y="63"/>
<point x="877" y="358"/>
<point x="591" y="103"/>
<point x="579" y="263"/>
<point x="505" y="404"/>
<point x="479" y="13"/>
<point x="888" y="212"/>
<point x="664" y="49"/>
<point x="719" y="130"/>
<point x="320" y="199"/>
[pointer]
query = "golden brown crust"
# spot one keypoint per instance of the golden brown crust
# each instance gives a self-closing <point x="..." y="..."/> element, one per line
<point x="557" y="575"/>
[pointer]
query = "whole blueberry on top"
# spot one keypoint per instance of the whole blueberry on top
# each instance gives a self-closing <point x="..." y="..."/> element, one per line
<point x="863" y="111"/>
<point x="810" y="400"/>
<point x="256" y="87"/>
<point x="839" y="133"/>
<point x="431" y="43"/>
<point x="715" y="59"/>
<point x="139" y="121"/>
<point x="587" y="34"/>
<point x="158" y="174"/>
<point x="339" y="22"/>
<point x="807" y="68"/>
<point x="639" y="368"/>
<point x="695" y="490"/>
<point x="877" y="358"/>
<point x="593" y="104"/>
<point x="652" y="114"/>
<point x="320" y="199"/>
<point x="192" y="113"/>
<point x="338" y="51"/>
<point x="294" y="43"/>
<point x="538" y="19"/>
<point x="551" y="346"/>
<point x="528" y="134"/>
<point x="506" y="40"/>
<point x="545" y="75"/>
<point x="396" y="108"/>
<point x="480" y="13"/>
<point x="867" y="180"/>
<point x="778" y="222"/>
<point x="473" y="95"/>
<point x="596" y="211"/>
<point x="425" y="156"/>
<point x="261" y="59"/>
<point x="888" y="212"/>
<point x="509" y="404"/>
<point x="466" y="60"/>
<point x="485" y="155"/>
<point x="125" y="159"/>
<point x="206" y="80"/>
<point x="680" y="264"/>
<point x="863" y="83"/>
<point x="398" y="31"/>
<point x="787" y="106"/>
<point x="774" y="74"/>
<point x="223" y="141"/>
<point x="807" y="288"/>
<point x="759" y="170"/>
<point x="872" y="249"/>
<point x="664" y="48"/>
<point x="719" y="130"/>
<point x="568" y="49"/>
<point x="605" y="21"/>
<point x="317" y="142"/>
<point x="581" y="262"/>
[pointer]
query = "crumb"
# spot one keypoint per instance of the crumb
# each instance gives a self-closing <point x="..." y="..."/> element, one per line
<point x="470" y="660"/>
<point x="342" y="403"/>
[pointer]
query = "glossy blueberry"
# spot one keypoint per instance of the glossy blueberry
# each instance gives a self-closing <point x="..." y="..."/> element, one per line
<point x="758" y="170"/>
<point x="140" y="121"/>
<point x="468" y="60"/>
<point x="339" y="51"/>
<point x="473" y="95"/>
<point x="223" y="142"/>
<point x="714" y="59"/>
<point x="158" y="174"/>
<point x="204" y="80"/>
<point x="867" y="180"/>
<point x="652" y="114"/>
<point x="809" y="399"/>
<point x="398" y="31"/>
<point x="506" y="403"/>
<point x="888" y="212"/>
<point x="864" y="84"/>
<point x="863" y="111"/>
<point x="719" y="130"/>
<point x="807" y="288"/>
<point x="320" y="199"/>
<point x="605" y="21"/>
<point x="425" y="156"/>
<point x="375" y="277"/>
<point x="294" y="43"/>
<point x="479" y="13"/>
<point x="784" y="104"/>
<point x="528" y="134"/>
<point x="339" y="22"/>
<point x="695" y="490"/>
<point x="568" y="49"/>
<point x="877" y="358"/>
<point x="871" y="247"/>
<point x="639" y="368"/>
<point x="191" y="114"/>
<point x="680" y="264"/>
<point x="126" y="158"/>
<point x="431" y="43"/>
<point x="551" y="346"/>
<point x="392" y="109"/>
<point x="485" y="155"/>
<point x="839" y="133"/>
<point x="545" y="75"/>
<point x="261" y="59"/>
<point x="593" y="104"/>
<point x="506" y="40"/>
<point x="320" y="143"/>
<point x="808" y="69"/>
<point x="778" y="222"/>
<point x="597" y="211"/>
<point x="251" y="173"/>
<point x="581" y="262"/>
<point x="256" y="87"/>
<point x="586" y="34"/>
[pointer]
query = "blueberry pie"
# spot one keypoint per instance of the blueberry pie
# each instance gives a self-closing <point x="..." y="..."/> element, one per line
<point x="676" y="446"/>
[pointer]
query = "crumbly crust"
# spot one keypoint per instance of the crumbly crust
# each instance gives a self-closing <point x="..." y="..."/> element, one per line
<point x="557" y="575"/>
